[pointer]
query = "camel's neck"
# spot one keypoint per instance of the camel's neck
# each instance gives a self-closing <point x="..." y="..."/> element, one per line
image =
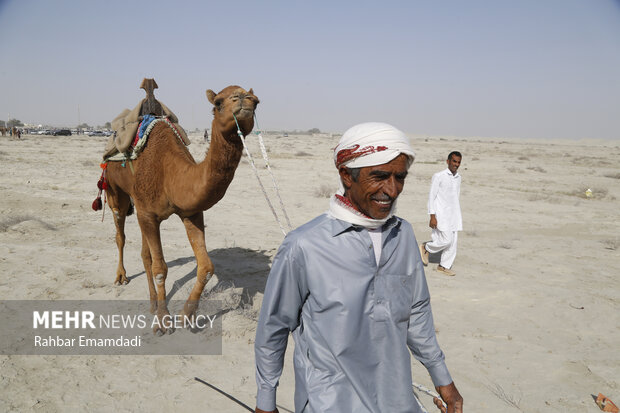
<point x="219" y="166"/>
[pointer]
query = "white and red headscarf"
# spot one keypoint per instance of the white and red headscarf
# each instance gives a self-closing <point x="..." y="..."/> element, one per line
<point x="366" y="144"/>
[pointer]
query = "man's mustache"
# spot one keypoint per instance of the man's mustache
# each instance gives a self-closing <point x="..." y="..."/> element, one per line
<point x="383" y="198"/>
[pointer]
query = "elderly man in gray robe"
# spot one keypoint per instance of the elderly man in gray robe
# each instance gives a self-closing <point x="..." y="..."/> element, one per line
<point x="353" y="293"/>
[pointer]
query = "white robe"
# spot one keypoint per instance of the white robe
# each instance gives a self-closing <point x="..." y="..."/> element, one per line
<point x="443" y="201"/>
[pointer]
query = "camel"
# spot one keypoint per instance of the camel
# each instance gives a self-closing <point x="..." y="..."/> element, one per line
<point x="167" y="180"/>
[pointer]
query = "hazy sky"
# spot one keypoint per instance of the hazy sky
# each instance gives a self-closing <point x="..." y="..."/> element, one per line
<point x="493" y="68"/>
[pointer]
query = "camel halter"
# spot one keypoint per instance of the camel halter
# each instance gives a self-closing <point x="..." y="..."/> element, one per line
<point x="273" y="179"/>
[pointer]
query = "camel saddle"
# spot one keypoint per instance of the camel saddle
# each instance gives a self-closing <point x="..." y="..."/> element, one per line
<point x="126" y="125"/>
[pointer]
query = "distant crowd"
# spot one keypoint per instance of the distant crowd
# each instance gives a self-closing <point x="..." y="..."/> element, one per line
<point x="17" y="132"/>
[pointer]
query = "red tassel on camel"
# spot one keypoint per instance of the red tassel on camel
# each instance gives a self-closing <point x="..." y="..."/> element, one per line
<point x="102" y="184"/>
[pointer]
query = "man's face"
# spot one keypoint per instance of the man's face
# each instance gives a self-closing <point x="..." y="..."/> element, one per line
<point x="377" y="187"/>
<point x="453" y="164"/>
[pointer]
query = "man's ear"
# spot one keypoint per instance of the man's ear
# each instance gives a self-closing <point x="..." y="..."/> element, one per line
<point x="345" y="177"/>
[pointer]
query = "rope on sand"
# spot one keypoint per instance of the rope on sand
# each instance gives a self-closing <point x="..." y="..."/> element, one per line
<point x="262" y="187"/>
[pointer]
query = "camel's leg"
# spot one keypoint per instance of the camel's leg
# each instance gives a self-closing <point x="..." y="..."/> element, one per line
<point x="159" y="270"/>
<point x="119" y="204"/>
<point x="195" y="228"/>
<point x="148" y="264"/>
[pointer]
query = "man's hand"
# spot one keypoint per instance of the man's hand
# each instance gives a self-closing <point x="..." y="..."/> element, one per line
<point x="257" y="410"/>
<point x="451" y="396"/>
<point x="433" y="222"/>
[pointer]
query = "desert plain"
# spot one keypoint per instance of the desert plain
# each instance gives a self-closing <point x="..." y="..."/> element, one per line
<point x="530" y="323"/>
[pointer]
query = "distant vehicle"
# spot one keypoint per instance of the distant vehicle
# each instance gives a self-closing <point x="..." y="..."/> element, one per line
<point x="44" y="132"/>
<point x="61" y="132"/>
<point x="96" y="133"/>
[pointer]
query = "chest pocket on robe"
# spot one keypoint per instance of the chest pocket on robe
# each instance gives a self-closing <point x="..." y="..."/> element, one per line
<point x="393" y="297"/>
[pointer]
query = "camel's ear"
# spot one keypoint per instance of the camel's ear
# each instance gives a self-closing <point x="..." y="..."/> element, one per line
<point x="251" y="92"/>
<point x="211" y="96"/>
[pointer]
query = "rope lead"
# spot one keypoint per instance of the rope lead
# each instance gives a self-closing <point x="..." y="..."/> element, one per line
<point x="425" y="390"/>
<point x="247" y="152"/>
<point x="273" y="178"/>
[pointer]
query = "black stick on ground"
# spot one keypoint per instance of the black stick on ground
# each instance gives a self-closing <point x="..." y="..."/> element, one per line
<point x="225" y="394"/>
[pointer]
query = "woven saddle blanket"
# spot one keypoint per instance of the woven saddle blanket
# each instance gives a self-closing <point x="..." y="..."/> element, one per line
<point x="144" y="129"/>
<point x="126" y="126"/>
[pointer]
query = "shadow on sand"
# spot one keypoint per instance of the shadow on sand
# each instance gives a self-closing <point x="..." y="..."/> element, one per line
<point x="234" y="267"/>
<point x="434" y="258"/>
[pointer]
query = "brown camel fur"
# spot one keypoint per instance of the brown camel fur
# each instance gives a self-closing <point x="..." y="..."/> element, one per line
<point x="168" y="181"/>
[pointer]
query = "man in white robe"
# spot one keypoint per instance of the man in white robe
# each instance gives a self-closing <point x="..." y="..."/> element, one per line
<point x="445" y="215"/>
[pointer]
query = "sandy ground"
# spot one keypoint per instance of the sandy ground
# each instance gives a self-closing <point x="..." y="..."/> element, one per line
<point x="530" y="323"/>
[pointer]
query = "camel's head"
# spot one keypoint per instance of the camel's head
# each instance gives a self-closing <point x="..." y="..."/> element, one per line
<point x="233" y="100"/>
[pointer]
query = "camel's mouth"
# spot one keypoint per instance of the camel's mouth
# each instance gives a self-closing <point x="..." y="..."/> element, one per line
<point x="245" y="113"/>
